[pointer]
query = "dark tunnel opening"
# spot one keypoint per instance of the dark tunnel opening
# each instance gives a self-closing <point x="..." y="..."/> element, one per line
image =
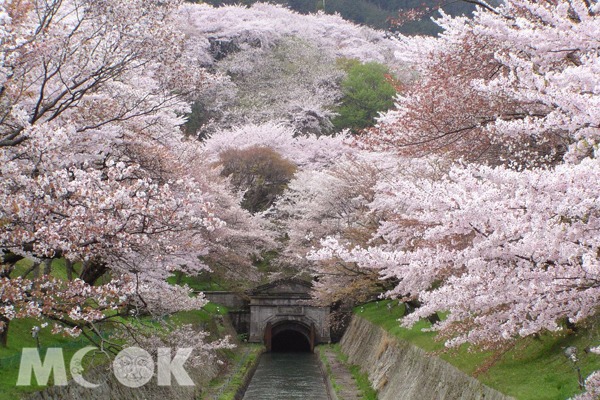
<point x="290" y="341"/>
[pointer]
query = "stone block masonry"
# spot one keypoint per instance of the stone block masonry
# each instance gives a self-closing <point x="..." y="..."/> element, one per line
<point x="399" y="370"/>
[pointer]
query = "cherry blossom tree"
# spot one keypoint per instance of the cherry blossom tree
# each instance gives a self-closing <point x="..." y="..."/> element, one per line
<point x="306" y="151"/>
<point x="242" y="238"/>
<point x="75" y="90"/>
<point x="93" y="165"/>
<point x="330" y="202"/>
<point x="293" y="81"/>
<point x="263" y="25"/>
<point x="515" y="249"/>
<point x="492" y="215"/>
<point x="592" y="387"/>
<point x="506" y="243"/>
<point x="488" y="90"/>
<point x="73" y="306"/>
<point x="324" y="196"/>
<point x="281" y="65"/>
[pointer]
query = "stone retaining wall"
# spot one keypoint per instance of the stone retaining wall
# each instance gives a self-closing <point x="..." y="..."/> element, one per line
<point x="399" y="370"/>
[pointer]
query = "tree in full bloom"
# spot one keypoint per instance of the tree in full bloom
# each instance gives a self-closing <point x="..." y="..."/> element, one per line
<point x="305" y="151"/>
<point x="281" y="65"/>
<point x="263" y="25"/>
<point x="293" y="82"/>
<point x="334" y="202"/>
<point x="93" y="165"/>
<point x="242" y="238"/>
<point x="493" y="214"/>
<point x="491" y="88"/>
<point x="81" y="130"/>
<point x="324" y="195"/>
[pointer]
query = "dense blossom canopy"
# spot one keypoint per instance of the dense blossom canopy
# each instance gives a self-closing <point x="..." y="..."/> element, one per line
<point x="476" y="196"/>
<point x="492" y="216"/>
<point x="264" y="24"/>
<point x="93" y="164"/>
<point x="280" y="65"/>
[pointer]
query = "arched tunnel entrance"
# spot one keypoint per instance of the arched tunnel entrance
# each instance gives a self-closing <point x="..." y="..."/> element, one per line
<point x="290" y="341"/>
<point x="290" y="336"/>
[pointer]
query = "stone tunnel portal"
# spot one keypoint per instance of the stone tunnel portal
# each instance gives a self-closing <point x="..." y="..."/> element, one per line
<point x="278" y="314"/>
<point x="282" y="318"/>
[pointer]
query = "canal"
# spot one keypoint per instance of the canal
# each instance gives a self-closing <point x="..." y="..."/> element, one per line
<point x="289" y="376"/>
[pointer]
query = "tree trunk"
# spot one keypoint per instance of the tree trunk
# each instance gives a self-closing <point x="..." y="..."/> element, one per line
<point x="91" y="271"/>
<point x="11" y="258"/>
<point x="35" y="272"/>
<point x="47" y="266"/>
<point x="434" y="318"/>
<point x="571" y="326"/>
<point x="4" y="333"/>
<point x="179" y="277"/>
<point x="411" y="306"/>
<point x="6" y="270"/>
<point x="69" y="268"/>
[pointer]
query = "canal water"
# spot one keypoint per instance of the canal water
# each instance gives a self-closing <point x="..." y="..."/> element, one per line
<point x="287" y="376"/>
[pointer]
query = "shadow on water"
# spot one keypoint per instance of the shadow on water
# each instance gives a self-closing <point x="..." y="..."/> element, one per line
<point x="287" y="376"/>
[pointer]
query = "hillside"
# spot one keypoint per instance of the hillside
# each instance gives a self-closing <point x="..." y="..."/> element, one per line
<point x="374" y="13"/>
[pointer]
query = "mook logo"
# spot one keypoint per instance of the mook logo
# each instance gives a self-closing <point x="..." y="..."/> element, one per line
<point x="133" y="367"/>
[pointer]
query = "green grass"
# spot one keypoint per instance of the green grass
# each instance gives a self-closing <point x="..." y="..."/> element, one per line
<point x="198" y="316"/>
<point x="332" y="377"/>
<point x="535" y="369"/>
<point x="59" y="269"/>
<point x="19" y="336"/>
<point x="242" y="374"/>
<point x="200" y="283"/>
<point x="362" y="379"/>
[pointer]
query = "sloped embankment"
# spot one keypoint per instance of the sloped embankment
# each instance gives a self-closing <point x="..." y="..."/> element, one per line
<point x="206" y="320"/>
<point x="400" y="370"/>
<point x="110" y="388"/>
